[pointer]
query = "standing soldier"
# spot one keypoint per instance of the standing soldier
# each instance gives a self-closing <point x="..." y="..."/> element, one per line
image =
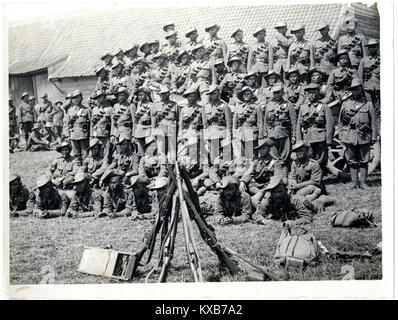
<point x="213" y="45"/>
<point x="352" y="42"/>
<point x="281" y="48"/>
<point x="122" y="117"/>
<point x="119" y="79"/>
<point x="273" y="78"/>
<point x="58" y="120"/>
<point x="107" y="58"/>
<point x="357" y="131"/>
<point x="103" y="79"/>
<point x="192" y="35"/>
<point x="119" y="56"/>
<point x="159" y="75"/>
<point x="315" y="125"/>
<point x="239" y="48"/>
<point x="26" y="116"/>
<point x="180" y="72"/>
<point x="79" y="128"/>
<point x="219" y="71"/>
<point x="64" y="167"/>
<point x="138" y="77"/>
<point x="323" y="50"/>
<point x="101" y="122"/>
<point x="131" y="56"/>
<point x="172" y="48"/>
<point x="49" y="112"/>
<point x="317" y="76"/>
<point x="280" y="125"/>
<point x="299" y="51"/>
<point x="260" y="59"/>
<point x="233" y="81"/>
<point x="164" y="124"/>
<point x="247" y="124"/>
<point x="13" y="126"/>
<point x="294" y="89"/>
<point x="218" y="125"/>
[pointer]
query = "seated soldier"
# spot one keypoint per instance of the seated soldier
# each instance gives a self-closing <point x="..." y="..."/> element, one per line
<point x="36" y="142"/>
<point x="84" y="201"/>
<point x="159" y="186"/>
<point x="19" y="196"/>
<point x="305" y="178"/>
<point x="277" y="204"/>
<point x="142" y="200"/>
<point x="117" y="201"/>
<point x="95" y="164"/>
<point x="47" y="201"/>
<point x="64" y="167"/>
<point x="232" y="206"/>
<point x="152" y="165"/>
<point x="263" y="167"/>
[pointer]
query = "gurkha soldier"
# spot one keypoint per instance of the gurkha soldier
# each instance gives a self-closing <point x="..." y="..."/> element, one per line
<point x="13" y="126"/>
<point x="172" y="48"/>
<point x="122" y="117"/>
<point x="119" y="56"/>
<point x="369" y="74"/>
<point x="294" y="89"/>
<point x="305" y="179"/>
<point x="218" y="125"/>
<point x="239" y="48"/>
<point x="154" y="45"/>
<point x="19" y="196"/>
<point x="151" y="164"/>
<point x="340" y="78"/>
<point x="142" y="200"/>
<point x="251" y="81"/>
<point x="47" y="201"/>
<point x="315" y="125"/>
<point x="247" y="124"/>
<point x="118" y="79"/>
<point x="58" y="120"/>
<point x="277" y="204"/>
<point x="131" y="57"/>
<point x="214" y="46"/>
<point x="260" y="59"/>
<point x="101" y="122"/>
<point x="103" y="83"/>
<point x="192" y="35"/>
<point x="219" y="73"/>
<point x="272" y="79"/>
<point x="107" y="59"/>
<point x="258" y="175"/>
<point x="357" y="131"/>
<point x="44" y="109"/>
<point x="233" y="81"/>
<point x="146" y="50"/>
<point x="352" y="42"/>
<point x="79" y="128"/>
<point x="299" y="51"/>
<point x="180" y="72"/>
<point x="281" y="48"/>
<point x="26" y="116"/>
<point x="280" y="125"/>
<point x="49" y="112"/>
<point x="164" y="124"/>
<point x="323" y="50"/>
<point x="160" y="75"/>
<point x="317" y="76"/>
<point x="36" y="142"/>
<point x="232" y="206"/>
<point x="197" y="64"/>
<point x="139" y="76"/>
<point x="95" y="164"/>
<point x="64" y="167"/>
<point x="197" y="172"/>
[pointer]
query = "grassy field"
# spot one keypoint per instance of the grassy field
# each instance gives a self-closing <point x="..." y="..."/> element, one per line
<point x="42" y="249"/>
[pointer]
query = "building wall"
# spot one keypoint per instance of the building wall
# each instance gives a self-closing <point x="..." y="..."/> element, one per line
<point x="19" y="85"/>
<point x="68" y="85"/>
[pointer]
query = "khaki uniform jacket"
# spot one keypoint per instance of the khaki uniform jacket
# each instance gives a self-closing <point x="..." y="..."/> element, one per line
<point x="240" y="210"/>
<point x="297" y="49"/>
<point x="261" y="170"/>
<point x="101" y="121"/>
<point x="315" y="123"/>
<point x="117" y="82"/>
<point x="340" y="78"/>
<point x="323" y="52"/>
<point x="122" y="120"/>
<point x="248" y="122"/>
<point x="142" y="119"/>
<point x="280" y="120"/>
<point x="232" y="83"/>
<point x="218" y="121"/>
<point x="13" y="121"/>
<point x="282" y="45"/>
<point x="369" y="73"/>
<point x="54" y="201"/>
<point x="88" y="201"/>
<point x="192" y="120"/>
<point x="354" y="44"/>
<point x="58" y="119"/>
<point x="95" y="166"/>
<point x="78" y="119"/>
<point x="164" y="118"/>
<point x="152" y="166"/>
<point x="120" y="202"/>
<point x="257" y="50"/>
<point x="26" y="113"/>
<point x="357" y="122"/>
<point x="309" y="171"/>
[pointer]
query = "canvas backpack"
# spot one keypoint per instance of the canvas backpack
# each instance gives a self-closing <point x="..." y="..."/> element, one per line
<point x="355" y="218"/>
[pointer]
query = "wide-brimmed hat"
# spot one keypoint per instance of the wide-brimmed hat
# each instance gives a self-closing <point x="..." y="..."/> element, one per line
<point x="160" y="55"/>
<point x="372" y="42"/>
<point x="58" y="102"/>
<point x="299" y="145"/>
<point x="42" y="180"/>
<point x="122" y="90"/>
<point x="280" y="24"/>
<point x="79" y="177"/>
<point x="315" y="69"/>
<point x="164" y="89"/>
<point x="211" y="26"/>
<point x="10" y="97"/>
<point x="159" y="183"/>
<point x="68" y="96"/>
<point x="117" y="51"/>
<point x="233" y="59"/>
<point x="197" y="47"/>
<point x="265" y="143"/>
<point x="63" y="145"/>
<point x="98" y="93"/>
<point x="140" y="59"/>
<point x="32" y="98"/>
<point x="340" y="53"/>
<point x="212" y="88"/>
<point x="272" y="73"/>
<point x="24" y="94"/>
<point x="94" y="142"/>
<point x="110" y="174"/>
<point x="312" y="86"/>
<point x="168" y="24"/>
<point x="274" y="182"/>
<point x="250" y="74"/>
<point x="138" y="179"/>
<point x="142" y="89"/>
<point x="259" y="29"/>
<point x="322" y="25"/>
<point x="289" y="72"/>
<point x="143" y="45"/>
<point x="191" y="89"/>
<point x="98" y="71"/>
<point x="118" y="63"/>
<point x="149" y="140"/>
<point x="355" y="83"/>
<point x="297" y="27"/>
<point x="170" y="34"/>
<point x="107" y="55"/>
<point x="76" y="93"/>
<point x="122" y="139"/>
<point x="44" y="95"/>
<point x="244" y="89"/>
<point x="180" y="54"/>
<point x="236" y="31"/>
<point x="153" y="42"/>
<point x="190" y="30"/>
<point x="228" y="181"/>
<point x="218" y="61"/>
<point x="135" y="46"/>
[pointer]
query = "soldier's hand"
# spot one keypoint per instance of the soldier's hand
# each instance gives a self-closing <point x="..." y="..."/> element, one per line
<point x="226" y="220"/>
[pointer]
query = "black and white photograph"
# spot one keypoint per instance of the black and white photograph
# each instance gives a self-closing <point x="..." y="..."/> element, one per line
<point x="195" y="144"/>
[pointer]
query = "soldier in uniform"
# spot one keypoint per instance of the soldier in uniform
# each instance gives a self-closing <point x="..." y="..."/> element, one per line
<point x="160" y="75"/>
<point x="154" y="45"/>
<point x="138" y="77"/>
<point x="260" y="171"/>
<point x="95" y="163"/>
<point x="118" y="79"/>
<point x="172" y="48"/>
<point x="218" y="125"/>
<point x="315" y="125"/>
<point x="103" y="79"/>
<point x="197" y="64"/>
<point x="180" y="72"/>
<point x="219" y="71"/>
<point x="122" y="117"/>
<point x="13" y="126"/>
<point x="151" y="164"/>
<point x="48" y="113"/>
<point x="58" y="120"/>
<point x="35" y="141"/>
<point x="251" y="81"/>
<point x="79" y="128"/>
<point x="233" y="81"/>
<point x="294" y="89"/>
<point x="277" y="204"/>
<point x="47" y="201"/>
<point x="64" y="167"/>
<point x="280" y="125"/>
<point x="305" y="179"/>
<point x="107" y="59"/>
<point x="323" y="49"/>
<point x="214" y="46"/>
<point x="357" y="131"/>
<point x="26" y="116"/>
<point x="142" y="200"/>
<point x="192" y="35"/>
<point x="232" y="206"/>
<point x="265" y="94"/>
<point x="299" y="51"/>
<point x="247" y="124"/>
<point x="164" y="124"/>
<point x="340" y="78"/>
<point x="260" y="59"/>
<point x="131" y="57"/>
<point x="239" y="48"/>
<point x="352" y="42"/>
<point x="281" y="47"/>
<point x="19" y="196"/>
<point x="101" y="121"/>
<point x="317" y="76"/>
<point x="145" y="49"/>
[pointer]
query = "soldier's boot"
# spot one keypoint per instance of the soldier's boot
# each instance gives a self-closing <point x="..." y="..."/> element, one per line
<point x="363" y="176"/>
<point x="354" y="178"/>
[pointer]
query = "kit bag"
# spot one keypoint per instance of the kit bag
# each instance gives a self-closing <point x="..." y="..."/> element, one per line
<point x="355" y="218"/>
